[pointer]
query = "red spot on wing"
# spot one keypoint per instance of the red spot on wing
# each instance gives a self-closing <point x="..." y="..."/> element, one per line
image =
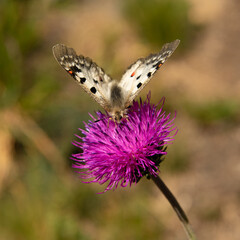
<point x="70" y="72"/>
<point x="159" y="65"/>
<point x="133" y="74"/>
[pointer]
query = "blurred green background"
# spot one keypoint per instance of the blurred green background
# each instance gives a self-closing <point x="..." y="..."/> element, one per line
<point x="41" y="197"/>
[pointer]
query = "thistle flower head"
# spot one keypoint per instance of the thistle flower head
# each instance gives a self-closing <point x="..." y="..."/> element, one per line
<point x="122" y="154"/>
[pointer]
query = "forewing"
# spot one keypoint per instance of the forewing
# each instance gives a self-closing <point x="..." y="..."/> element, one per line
<point x="140" y="73"/>
<point x="89" y="76"/>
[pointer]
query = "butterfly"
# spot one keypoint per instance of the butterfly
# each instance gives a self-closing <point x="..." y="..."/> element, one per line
<point x="115" y="97"/>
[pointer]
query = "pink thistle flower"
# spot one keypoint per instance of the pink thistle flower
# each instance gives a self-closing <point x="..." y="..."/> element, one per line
<point x="122" y="154"/>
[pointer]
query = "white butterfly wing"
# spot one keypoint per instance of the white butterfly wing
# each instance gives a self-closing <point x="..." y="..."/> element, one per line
<point x="89" y="76"/>
<point x="140" y="73"/>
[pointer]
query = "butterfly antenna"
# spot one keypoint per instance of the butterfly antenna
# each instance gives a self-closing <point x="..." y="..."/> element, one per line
<point x="107" y="117"/>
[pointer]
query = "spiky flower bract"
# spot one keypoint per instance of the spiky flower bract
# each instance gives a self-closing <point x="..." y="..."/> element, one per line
<point x="122" y="154"/>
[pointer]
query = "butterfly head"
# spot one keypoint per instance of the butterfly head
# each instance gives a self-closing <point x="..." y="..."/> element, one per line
<point x="118" y="115"/>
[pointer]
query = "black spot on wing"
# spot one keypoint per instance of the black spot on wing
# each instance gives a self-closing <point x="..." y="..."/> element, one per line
<point x="95" y="81"/>
<point x="75" y="69"/>
<point x="82" y="80"/>
<point x="138" y="77"/>
<point x="93" y="90"/>
<point x="139" y="85"/>
<point x="149" y="74"/>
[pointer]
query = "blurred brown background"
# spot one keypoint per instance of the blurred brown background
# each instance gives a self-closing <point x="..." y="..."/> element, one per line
<point x="42" y="108"/>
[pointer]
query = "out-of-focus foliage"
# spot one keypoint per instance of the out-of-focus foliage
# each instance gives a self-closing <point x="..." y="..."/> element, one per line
<point x="23" y="80"/>
<point x="161" y="21"/>
<point x="179" y="160"/>
<point x="208" y="114"/>
<point x="35" y="205"/>
<point x="66" y="3"/>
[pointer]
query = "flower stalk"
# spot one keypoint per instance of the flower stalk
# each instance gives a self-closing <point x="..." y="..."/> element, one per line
<point x="175" y="205"/>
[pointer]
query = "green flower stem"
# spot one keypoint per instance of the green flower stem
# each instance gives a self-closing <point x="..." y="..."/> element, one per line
<point x="177" y="208"/>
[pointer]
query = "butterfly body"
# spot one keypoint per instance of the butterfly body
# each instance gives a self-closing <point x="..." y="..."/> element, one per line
<point x="115" y="97"/>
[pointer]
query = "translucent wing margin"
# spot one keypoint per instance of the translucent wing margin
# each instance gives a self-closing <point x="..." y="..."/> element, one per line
<point x="88" y="75"/>
<point x="139" y="74"/>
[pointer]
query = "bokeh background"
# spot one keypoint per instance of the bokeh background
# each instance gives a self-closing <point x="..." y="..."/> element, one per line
<point x="42" y="108"/>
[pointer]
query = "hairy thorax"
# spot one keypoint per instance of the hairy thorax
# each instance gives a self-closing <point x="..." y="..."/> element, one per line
<point x="118" y="110"/>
